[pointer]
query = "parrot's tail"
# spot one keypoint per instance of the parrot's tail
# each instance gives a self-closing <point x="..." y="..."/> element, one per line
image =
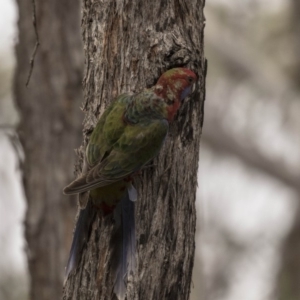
<point x="125" y="245"/>
<point x="124" y="240"/>
<point x="80" y="237"/>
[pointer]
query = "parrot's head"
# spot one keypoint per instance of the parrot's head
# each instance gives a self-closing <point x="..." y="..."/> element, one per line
<point x="173" y="86"/>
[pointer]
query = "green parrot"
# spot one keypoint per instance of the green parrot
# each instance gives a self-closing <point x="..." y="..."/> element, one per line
<point x="128" y="135"/>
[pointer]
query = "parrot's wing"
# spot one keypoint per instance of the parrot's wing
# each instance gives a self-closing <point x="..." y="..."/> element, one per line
<point x="137" y="145"/>
<point x="107" y="132"/>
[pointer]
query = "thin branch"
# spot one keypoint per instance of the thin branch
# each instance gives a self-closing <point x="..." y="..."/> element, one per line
<point x="4" y="127"/>
<point x="221" y="141"/>
<point x="10" y="132"/>
<point x="37" y="43"/>
<point x="266" y="75"/>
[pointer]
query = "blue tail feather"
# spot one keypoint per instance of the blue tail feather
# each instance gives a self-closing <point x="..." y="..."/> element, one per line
<point x="124" y="243"/>
<point x="126" y="260"/>
<point x="80" y="237"/>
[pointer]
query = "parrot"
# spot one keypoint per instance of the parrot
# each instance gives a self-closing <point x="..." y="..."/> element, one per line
<point x="128" y="135"/>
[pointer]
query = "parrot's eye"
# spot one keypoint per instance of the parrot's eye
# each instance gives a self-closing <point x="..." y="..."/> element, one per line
<point x="190" y="79"/>
<point x="170" y="102"/>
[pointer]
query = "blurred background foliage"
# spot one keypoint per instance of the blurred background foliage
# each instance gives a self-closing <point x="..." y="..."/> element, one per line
<point x="249" y="177"/>
<point x="248" y="233"/>
<point x="14" y="278"/>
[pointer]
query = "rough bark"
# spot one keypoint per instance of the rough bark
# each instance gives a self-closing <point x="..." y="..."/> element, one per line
<point x="295" y="28"/>
<point x="50" y="128"/>
<point x="287" y="286"/>
<point x="289" y="276"/>
<point x="128" y="44"/>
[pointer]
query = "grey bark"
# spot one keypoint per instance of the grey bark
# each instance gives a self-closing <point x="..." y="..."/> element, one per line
<point x="128" y="45"/>
<point x="50" y="129"/>
<point x="295" y="28"/>
<point x="289" y="275"/>
<point x="287" y="286"/>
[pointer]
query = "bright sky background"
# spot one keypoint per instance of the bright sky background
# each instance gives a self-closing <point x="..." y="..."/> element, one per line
<point x="12" y="202"/>
<point x="8" y="19"/>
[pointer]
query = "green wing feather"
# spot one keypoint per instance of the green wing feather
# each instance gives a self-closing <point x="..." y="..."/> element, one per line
<point x="107" y="131"/>
<point x="117" y="149"/>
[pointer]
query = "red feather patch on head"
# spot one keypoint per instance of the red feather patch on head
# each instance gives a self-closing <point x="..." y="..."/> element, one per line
<point x="176" y="74"/>
<point x="177" y="80"/>
<point x="173" y="86"/>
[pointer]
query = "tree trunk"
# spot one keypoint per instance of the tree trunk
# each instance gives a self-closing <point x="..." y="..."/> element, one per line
<point x="128" y="45"/>
<point x="288" y="287"/>
<point x="50" y="128"/>
<point x="295" y="29"/>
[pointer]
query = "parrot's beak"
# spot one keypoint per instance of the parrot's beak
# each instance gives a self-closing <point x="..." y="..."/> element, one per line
<point x="191" y="93"/>
<point x="192" y="90"/>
